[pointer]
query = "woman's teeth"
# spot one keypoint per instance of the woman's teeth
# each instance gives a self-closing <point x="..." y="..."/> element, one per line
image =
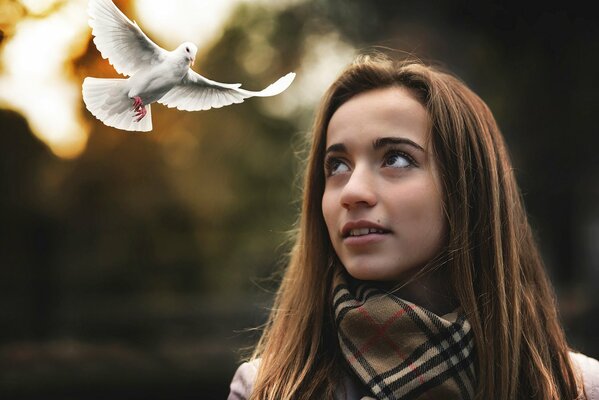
<point x="364" y="231"/>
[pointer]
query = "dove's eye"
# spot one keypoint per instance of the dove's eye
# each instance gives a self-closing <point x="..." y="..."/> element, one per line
<point x="187" y="49"/>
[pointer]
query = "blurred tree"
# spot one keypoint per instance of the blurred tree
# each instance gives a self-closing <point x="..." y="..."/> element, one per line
<point x="29" y="273"/>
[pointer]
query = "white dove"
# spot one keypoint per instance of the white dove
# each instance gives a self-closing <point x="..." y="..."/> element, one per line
<point x="154" y="74"/>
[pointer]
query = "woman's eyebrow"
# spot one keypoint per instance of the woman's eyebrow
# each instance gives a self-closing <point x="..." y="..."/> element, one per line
<point x="337" y="147"/>
<point x="386" y="141"/>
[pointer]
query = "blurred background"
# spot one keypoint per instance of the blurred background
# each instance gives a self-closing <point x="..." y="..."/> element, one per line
<point x="133" y="266"/>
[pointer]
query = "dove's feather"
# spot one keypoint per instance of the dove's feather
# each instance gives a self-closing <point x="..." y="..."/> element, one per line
<point x="107" y="100"/>
<point x="121" y="41"/>
<point x="198" y="93"/>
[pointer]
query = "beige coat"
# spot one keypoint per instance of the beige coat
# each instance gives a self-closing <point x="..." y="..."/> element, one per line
<point x="243" y="381"/>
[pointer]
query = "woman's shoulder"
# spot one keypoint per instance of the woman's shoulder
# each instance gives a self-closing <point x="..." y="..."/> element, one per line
<point x="243" y="383"/>
<point x="243" y="380"/>
<point x="589" y="369"/>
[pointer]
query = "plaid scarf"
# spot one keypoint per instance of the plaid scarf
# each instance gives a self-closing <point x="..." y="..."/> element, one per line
<point x="400" y="350"/>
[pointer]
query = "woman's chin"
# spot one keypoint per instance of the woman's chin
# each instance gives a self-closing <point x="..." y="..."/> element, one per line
<point x="380" y="273"/>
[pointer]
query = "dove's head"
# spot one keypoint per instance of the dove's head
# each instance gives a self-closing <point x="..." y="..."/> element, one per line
<point x="188" y="50"/>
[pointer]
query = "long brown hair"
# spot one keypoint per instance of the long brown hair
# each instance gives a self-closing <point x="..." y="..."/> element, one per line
<point x="497" y="274"/>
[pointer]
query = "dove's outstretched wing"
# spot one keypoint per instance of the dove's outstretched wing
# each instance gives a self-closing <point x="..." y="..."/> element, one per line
<point x="121" y="41"/>
<point x="196" y="93"/>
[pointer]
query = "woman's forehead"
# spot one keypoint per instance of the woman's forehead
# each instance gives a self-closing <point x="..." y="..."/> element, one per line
<point x="387" y="112"/>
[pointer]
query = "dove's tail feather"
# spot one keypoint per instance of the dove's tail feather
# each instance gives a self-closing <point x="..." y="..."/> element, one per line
<point x="275" y="88"/>
<point x="107" y="100"/>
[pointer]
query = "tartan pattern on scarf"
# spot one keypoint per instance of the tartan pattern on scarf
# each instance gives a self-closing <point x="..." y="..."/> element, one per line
<point x="400" y="350"/>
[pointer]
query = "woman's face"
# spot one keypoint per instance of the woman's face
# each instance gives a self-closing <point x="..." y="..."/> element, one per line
<point x="382" y="202"/>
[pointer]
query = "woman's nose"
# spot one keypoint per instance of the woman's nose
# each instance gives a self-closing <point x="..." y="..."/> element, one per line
<point x="359" y="190"/>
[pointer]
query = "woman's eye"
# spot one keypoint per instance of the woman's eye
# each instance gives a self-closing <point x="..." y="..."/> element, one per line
<point x="397" y="160"/>
<point x="336" y="166"/>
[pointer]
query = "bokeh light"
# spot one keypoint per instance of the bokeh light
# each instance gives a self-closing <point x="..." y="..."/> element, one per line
<point x="183" y="20"/>
<point x="324" y="57"/>
<point x="37" y="80"/>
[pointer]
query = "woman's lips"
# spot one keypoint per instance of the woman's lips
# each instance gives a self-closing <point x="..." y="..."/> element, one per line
<point x="364" y="240"/>
<point x="363" y="232"/>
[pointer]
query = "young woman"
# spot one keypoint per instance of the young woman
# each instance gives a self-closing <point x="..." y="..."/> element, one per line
<point x="414" y="273"/>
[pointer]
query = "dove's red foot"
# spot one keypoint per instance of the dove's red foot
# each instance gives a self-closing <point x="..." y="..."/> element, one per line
<point x="141" y="112"/>
<point x="137" y="103"/>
